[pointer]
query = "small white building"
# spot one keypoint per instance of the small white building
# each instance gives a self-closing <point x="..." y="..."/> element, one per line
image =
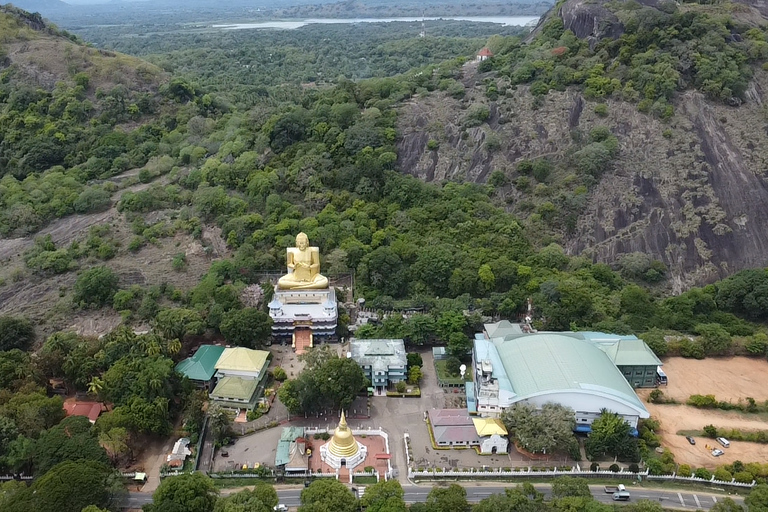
<point x="483" y="54"/>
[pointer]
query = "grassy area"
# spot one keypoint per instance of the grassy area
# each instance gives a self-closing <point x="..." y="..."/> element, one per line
<point x="631" y="484"/>
<point x="364" y="480"/>
<point x="413" y="391"/>
<point x="447" y="378"/>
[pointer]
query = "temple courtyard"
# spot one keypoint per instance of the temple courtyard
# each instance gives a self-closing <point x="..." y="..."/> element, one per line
<point x="396" y="416"/>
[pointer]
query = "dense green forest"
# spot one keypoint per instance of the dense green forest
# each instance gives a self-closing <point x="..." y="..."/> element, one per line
<point x="261" y="66"/>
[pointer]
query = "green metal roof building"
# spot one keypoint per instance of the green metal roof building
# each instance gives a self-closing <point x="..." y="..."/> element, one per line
<point x="236" y="393"/>
<point x="567" y="368"/>
<point x="202" y="365"/>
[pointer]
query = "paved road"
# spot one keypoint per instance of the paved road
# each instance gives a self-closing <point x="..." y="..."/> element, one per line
<point x="668" y="498"/>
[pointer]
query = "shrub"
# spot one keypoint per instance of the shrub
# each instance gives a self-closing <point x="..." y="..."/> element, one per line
<point x="476" y="115"/>
<point x="16" y="333"/>
<point x="702" y="473"/>
<point x="656" y="396"/>
<point x="710" y="431"/>
<point x="279" y="374"/>
<point x="541" y="169"/>
<point x="634" y="468"/>
<point x="179" y="261"/>
<point x="432" y="145"/>
<point x="744" y="477"/>
<point x="723" y="474"/>
<point x="703" y="401"/>
<point x="524" y="167"/>
<point x="614" y="468"/>
<point x="95" y="287"/>
<point x="401" y="386"/>
<point x="594" y="466"/>
<point x="601" y="109"/>
<point x="684" y="470"/>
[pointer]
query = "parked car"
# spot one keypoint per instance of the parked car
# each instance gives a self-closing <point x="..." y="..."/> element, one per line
<point x="723" y="441"/>
<point x="717" y="452"/>
<point x="690" y="439"/>
<point x="280" y="508"/>
<point x="610" y="489"/>
<point x="621" y="496"/>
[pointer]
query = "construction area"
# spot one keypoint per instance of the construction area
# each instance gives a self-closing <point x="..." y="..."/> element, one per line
<point x="729" y="379"/>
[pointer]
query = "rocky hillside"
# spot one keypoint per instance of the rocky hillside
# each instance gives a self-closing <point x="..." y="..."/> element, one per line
<point x="688" y="187"/>
<point x="39" y="54"/>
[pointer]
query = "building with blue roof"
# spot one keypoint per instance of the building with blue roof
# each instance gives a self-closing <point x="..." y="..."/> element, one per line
<point x="578" y="370"/>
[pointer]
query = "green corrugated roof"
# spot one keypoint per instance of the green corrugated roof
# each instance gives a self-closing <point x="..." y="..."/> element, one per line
<point x="202" y="365"/>
<point x="235" y="387"/>
<point x="547" y="362"/>
<point x="283" y="453"/>
<point x="291" y="433"/>
<point x="288" y="435"/>
<point x="631" y="353"/>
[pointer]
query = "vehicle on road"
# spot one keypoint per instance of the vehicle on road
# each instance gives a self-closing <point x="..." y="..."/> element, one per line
<point x="610" y="489"/>
<point x="690" y="439"/>
<point x="717" y="452"/>
<point x="280" y="508"/>
<point x="621" y="496"/>
<point x="723" y="441"/>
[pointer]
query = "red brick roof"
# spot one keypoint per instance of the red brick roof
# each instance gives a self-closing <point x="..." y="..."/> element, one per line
<point x="485" y="52"/>
<point x="89" y="409"/>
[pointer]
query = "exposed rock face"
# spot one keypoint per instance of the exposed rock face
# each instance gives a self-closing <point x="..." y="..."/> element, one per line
<point x="692" y="192"/>
<point x="590" y="20"/>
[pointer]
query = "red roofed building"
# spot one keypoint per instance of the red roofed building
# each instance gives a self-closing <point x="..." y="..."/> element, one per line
<point x="483" y="54"/>
<point x="91" y="410"/>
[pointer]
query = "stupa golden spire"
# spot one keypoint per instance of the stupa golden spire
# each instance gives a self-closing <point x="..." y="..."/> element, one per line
<point x="343" y="444"/>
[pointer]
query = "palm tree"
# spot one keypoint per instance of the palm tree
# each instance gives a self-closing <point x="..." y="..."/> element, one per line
<point x="173" y="346"/>
<point x="95" y="386"/>
<point x="153" y="348"/>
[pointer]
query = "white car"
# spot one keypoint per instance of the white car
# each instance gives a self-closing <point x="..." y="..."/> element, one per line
<point x="717" y="452"/>
<point x="280" y="508"/>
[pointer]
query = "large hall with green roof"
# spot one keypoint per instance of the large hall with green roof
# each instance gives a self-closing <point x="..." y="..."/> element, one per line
<point x="586" y="371"/>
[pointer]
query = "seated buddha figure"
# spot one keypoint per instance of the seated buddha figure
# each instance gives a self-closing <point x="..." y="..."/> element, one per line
<point x="303" y="267"/>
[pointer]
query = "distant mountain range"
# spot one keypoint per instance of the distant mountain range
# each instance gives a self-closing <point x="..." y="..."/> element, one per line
<point x="41" y="6"/>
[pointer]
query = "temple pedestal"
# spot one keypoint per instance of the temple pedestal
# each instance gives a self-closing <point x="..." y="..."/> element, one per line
<point x="315" y="310"/>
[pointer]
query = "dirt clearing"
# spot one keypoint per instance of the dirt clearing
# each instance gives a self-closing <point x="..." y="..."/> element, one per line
<point x="726" y="378"/>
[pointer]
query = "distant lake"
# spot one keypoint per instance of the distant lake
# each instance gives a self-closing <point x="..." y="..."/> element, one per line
<point x="516" y="21"/>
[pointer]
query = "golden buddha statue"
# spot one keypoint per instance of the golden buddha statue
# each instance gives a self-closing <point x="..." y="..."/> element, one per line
<point x="303" y="267"/>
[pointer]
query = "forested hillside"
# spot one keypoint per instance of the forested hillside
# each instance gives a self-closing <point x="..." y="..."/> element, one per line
<point x="197" y="178"/>
<point x="616" y="128"/>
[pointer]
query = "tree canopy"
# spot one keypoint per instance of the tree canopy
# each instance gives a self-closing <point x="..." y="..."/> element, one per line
<point x="327" y="382"/>
<point x="189" y="492"/>
<point x="544" y="430"/>
<point x="327" y="495"/>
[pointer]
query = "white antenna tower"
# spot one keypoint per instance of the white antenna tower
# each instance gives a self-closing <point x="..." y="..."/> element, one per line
<point x="423" y="32"/>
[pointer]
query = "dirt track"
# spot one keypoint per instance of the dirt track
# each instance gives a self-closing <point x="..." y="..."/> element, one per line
<point x="727" y="379"/>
